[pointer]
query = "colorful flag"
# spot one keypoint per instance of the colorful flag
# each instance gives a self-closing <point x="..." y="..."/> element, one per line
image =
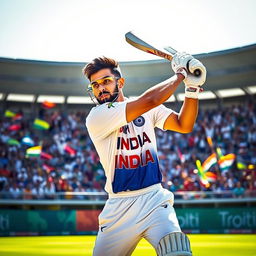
<point x="225" y="162"/>
<point x="41" y="124"/>
<point x="241" y="166"/>
<point x="46" y="156"/>
<point x="212" y="177"/>
<point x="201" y="174"/>
<point x="34" y="151"/>
<point x="219" y="152"/>
<point x="27" y="141"/>
<point x="251" y="166"/>
<point x="48" y="104"/>
<point x="48" y="168"/>
<point x="9" y="113"/>
<point x="209" y="162"/>
<point x="14" y="127"/>
<point x="209" y="140"/>
<point x="181" y="156"/>
<point x="13" y="142"/>
<point x="70" y="150"/>
<point x="199" y="166"/>
<point x="17" y="116"/>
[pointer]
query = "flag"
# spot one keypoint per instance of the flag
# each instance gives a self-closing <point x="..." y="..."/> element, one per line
<point x="48" y="168"/>
<point x="209" y="140"/>
<point x="209" y="162"/>
<point x="9" y="113"/>
<point x="17" y="116"/>
<point x="41" y="124"/>
<point x="13" y="142"/>
<point x="251" y="166"/>
<point x="241" y="166"/>
<point x="205" y="176"/>
<point x="34" y="151"/>
<point x="46" y="156"/>
<point x="181" y="156"/>
<point x="225" y="162"/>
<point x="212" y="177"/>
<point x="27" y="141"/>
<point x="14" y="127"/>
<point x="48" y="104"/>
<point x="201" y="174"/>
<point x="219" y="152"/>
<point x="199" y="166"/>
<point x="70" y="150"/>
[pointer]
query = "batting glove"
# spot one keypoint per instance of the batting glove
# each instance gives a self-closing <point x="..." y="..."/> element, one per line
<point x="193" y="83"/>
<point x="180" y="63"/>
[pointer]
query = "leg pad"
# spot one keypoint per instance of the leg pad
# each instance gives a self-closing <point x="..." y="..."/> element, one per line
<point x="174" y="244"/>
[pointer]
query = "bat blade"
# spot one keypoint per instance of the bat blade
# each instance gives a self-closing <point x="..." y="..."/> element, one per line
<point x="166" y="52"/>
<point x="138" y="43"/>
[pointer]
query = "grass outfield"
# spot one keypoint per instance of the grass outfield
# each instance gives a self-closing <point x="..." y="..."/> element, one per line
<point x="202" y="245"/>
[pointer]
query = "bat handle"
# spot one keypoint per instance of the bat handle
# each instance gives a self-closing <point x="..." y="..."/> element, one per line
<point x="196" y="72"/>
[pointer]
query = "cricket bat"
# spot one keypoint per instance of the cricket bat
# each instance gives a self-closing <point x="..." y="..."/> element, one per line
<point x="166" y="52"/>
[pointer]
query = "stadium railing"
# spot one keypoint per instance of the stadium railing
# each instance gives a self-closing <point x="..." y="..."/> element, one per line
<point x="99" y="198"/>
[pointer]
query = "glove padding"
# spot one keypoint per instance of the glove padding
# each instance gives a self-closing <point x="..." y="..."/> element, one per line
<point x="193" y="83"/>
<point x="180" y="61"/>
<point x="191" y="79"/>
<point x="186" y="64"/>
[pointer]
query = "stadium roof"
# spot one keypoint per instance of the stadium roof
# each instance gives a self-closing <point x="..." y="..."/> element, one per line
<point x="39" y="80"/>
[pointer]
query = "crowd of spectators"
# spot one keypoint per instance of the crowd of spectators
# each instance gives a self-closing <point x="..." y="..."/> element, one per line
<point x="233" y="129"/>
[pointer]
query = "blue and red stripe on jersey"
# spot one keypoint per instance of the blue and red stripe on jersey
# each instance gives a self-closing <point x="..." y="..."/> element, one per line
<point x="135" y="172"/>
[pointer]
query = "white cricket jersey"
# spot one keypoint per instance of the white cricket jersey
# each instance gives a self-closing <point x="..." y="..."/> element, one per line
<point x="127" y="151"/>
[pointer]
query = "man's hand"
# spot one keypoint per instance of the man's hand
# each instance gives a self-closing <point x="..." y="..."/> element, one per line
<point x="193" y="83"/>
<point x="180" y="63"/>
<point x="186" y="65"/>
<point x="191" y="79"/>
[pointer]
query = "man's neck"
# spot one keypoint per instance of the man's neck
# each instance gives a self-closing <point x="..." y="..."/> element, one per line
<point x="121" y="97"/>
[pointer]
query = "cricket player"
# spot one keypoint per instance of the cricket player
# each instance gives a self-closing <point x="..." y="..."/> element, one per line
<point x="122" y="131"/>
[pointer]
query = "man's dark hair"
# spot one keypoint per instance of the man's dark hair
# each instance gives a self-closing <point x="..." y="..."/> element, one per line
<point x="101" y="63"/>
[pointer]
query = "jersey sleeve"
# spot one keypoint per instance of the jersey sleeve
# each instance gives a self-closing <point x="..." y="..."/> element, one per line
<point x="106" y="118"/>
<point x="159" y="114"/>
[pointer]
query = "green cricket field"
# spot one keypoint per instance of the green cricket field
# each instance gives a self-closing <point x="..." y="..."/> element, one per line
<point x="202" y="245"/>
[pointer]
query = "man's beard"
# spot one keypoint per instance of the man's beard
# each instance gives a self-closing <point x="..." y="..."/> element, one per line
<point x="113" y="97"/>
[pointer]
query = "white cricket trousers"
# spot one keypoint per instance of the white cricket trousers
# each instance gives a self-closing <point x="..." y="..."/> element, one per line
<point x="125" y="220"/>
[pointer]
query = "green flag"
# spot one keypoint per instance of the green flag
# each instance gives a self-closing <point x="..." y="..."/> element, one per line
<point x="41" y="124"/>
<point x="9" y="113"/>
<point x="13" y="142"/>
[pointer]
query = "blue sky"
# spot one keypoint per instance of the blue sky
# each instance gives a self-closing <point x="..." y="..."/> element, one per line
<point x="80" y="30"/>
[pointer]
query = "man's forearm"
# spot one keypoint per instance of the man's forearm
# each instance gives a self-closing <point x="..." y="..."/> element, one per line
<point x="159" y="93"/>
<point x="153" y="97"/>
<point x="188" y="114"/>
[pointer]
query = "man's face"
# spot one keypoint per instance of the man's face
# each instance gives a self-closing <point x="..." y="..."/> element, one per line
<point x="104" y="86"/>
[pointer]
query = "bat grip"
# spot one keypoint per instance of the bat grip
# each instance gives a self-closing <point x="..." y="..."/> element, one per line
<point x="196" y="72"/>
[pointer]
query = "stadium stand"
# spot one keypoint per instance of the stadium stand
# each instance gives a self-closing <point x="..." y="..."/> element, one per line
<point x="68" y="161"/>
<point x="44" y="104"/>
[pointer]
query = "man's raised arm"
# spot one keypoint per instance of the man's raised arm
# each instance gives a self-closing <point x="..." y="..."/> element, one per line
<point x="159" y="93"/>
